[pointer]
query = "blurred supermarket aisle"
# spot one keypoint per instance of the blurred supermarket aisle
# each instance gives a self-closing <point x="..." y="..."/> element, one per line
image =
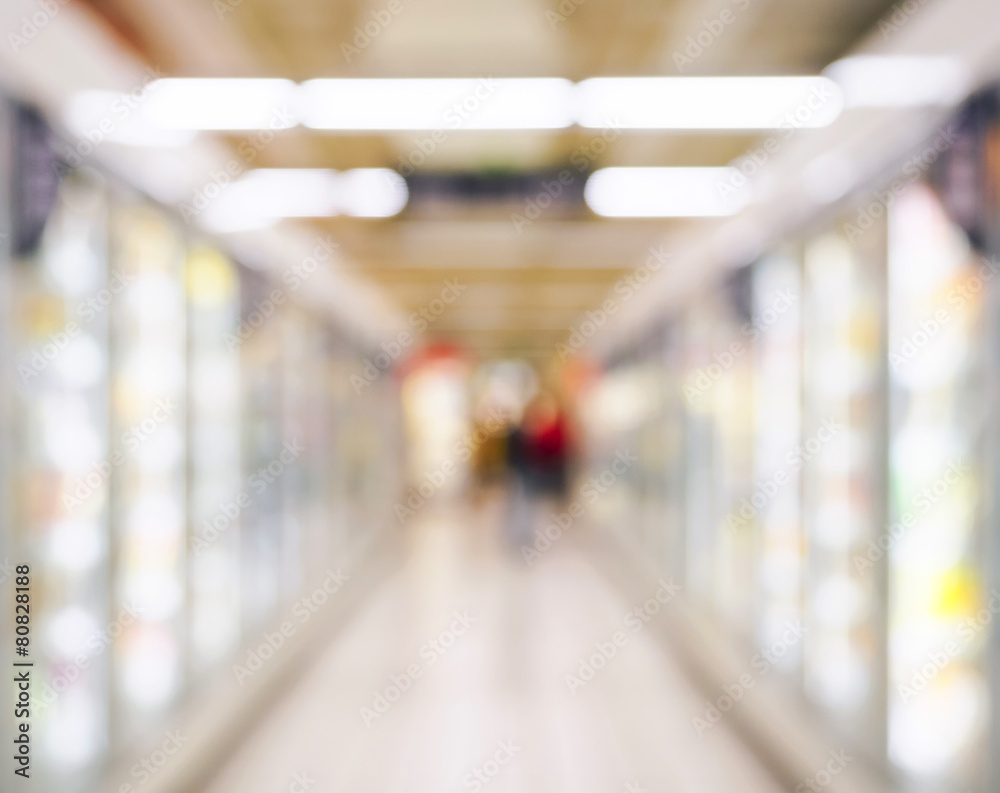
<point x="484" y="652"/>
<point x="298" y="293"/>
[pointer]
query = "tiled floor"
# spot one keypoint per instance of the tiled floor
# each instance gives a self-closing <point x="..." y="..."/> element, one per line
<point x="496" y="692"/>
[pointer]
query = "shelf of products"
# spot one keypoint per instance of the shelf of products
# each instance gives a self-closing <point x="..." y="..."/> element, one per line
<point x="938" y="711"/>
<point x="831" y="469"/>
<point x="148" y="391"/>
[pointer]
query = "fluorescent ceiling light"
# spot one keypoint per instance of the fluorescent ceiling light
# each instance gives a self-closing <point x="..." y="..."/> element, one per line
<point x="371" y="193"/>
<point x="285" y="193"/>
<point x="265" y="195"/>
<point x="900" y="80"/>
<point x="223" y="104"/>
<point x="662" y="192"/>
<point x="707" y="102"/>
<point x="654" y="103"/>
<point x="448" y="104"/>
<point x="99" y="116"/>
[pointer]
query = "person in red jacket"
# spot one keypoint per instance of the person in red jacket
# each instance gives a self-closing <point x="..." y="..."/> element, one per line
<point x="545" y="439"/>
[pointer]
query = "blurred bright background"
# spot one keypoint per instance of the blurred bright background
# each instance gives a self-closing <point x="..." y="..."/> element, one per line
<point x="324" y="322"/>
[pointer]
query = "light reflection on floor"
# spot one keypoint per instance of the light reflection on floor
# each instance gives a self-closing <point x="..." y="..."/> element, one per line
<point x="497" y="691"/>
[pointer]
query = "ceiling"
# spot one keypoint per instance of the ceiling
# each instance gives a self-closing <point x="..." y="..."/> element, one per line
<point x="527" y="286"/>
